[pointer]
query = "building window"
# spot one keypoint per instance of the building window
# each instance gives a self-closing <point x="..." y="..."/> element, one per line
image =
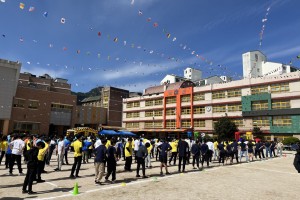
<point x="26" y="127"/>
<point x="149" y="114"/>
<point x="199" y="97"/>
<point x="259" y="105"/>
<point x="33" y="104"/>
<point x="199" y="110"/>
<point x="132" y="125"/>
<point x="259" y="89"/>
<point x="148" y="103"/>
<point x="19" y="103"/>
<point x="186" y="123"/>
<point x="132" y="115"/>
<point x="234" y="107"/>
<point x="218" y="109"/>
<point x="238" y="122"/>
<point x="186" y="111"/>
<point x="170" y="124"/>
<point x="218" y="95"/>
<point x="186" y="98"/>
<point x="158" y="113"/>
<point x="133" y="104"/>
<point x="199" y="123"/>
<point x="282" y="121"/>
<point x="153" y="125"/>
<point x="158" y="102"/>
<point x="281" y="87"/>
<point x="261" y="121"/>
<point x="61" y="107"/>
<point x="234" y="93"/>
<point x="170" y="111"/>
<point x="170" y="100"/>
<point x="281" y="104"/>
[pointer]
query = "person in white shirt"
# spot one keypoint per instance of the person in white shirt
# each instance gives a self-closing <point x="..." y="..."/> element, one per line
<point x="17" y="146"/>
<point x="97" y="143"/>
<point x="210" y="149"/>
<point x="60" y="151"/>
<point x="136" y="148"/>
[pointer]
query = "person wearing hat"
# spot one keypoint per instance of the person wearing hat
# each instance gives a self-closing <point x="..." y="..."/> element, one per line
<point x="77" y="145"/>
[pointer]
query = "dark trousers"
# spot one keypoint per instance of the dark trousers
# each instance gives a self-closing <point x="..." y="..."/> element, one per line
<point x="48" y="158"/>
<point x="30" y="177"/>
<point x="76" y="165"/>
<point x="236" y="154"/>
<point x="196" y="159"/>
<point x="135" y="152"/>
<point x="257" y="152"/>
<point x="174" y="155"/>
<point x="66" y="157"/>
<point x="111" y="170"/>
<point x="40" y="168"/>
<point x="188" y="157"/>
<point x="273" y="152"/>
<point x="152" y="153"/>
<point x="205" y="157"/>
<point x="2" y="155"/>
<point x="7" y="159"/>
<point x="222" y="157"/>
<point x="140" y="161"/>
<point x="128" y="161"/>
<point x="183" y="160"/>
<point x="157" y="154"/>
<point x="210" y="154"/>
<point x="12" y="163"/>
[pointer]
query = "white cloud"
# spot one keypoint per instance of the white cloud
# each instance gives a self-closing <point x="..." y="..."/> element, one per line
<point x="286" y="51"/>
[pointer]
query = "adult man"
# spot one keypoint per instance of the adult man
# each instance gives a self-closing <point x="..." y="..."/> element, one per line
<point x="297" y="157"/>
<point x="163" y="156"/>
<point x="235" y="150"/>
<point x="205" y="154"/>
<point x="17" y="147"/>
<point x="111" y="161"/>
<point x="51" y="149"/>
<point x="174" y="145"/>
<point x="196" y="153"/>
<point x="60" y="150"/>
<point x="67" y="145"/>
<point x="77" y="156"/>
<point x="100" y="160"/>
<point x="128" y="155"/>
<point x="183" y="149"/>
<point x="136" y="148"/>
<point x="32" y="163"/>
<point x="141" y="154"/>
<point x="210" y="149"/>
<point x="85" y="150"/>
<point x="268" y="149"/>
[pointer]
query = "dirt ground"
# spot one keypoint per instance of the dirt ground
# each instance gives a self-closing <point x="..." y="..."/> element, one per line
<point x="272" y="179"/>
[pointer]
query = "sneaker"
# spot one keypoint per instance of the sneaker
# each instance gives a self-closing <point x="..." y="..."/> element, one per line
<point x="161" y="173"/>
<point x="21" y="174"/>
<point x="56" y="169"/>
<point x="112" y="182"/>
<point x="77" y="176"/>
<point x="138" y="175"/>
<point x="145" y="176"/>
<point x="10" y="174"/>
<point x="24" y="191"/>
<point x="40" y="181"/>
<point x="72" y="176"/>
<point x="31" y="192"/>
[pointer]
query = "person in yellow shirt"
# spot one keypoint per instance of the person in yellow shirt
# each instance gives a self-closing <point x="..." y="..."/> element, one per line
<point x="41" y="163"/>
<point x="3" y="147"/>
<point x="174" y="145"/>
<point x="128" y="155"/>
<point x="149" y="149"/>
<point x="77" y="156"/>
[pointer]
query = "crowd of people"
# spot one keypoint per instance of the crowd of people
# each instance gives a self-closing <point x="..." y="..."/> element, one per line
<point x="107" y="151"/>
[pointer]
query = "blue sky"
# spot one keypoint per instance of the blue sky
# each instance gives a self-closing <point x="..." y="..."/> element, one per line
<point x="209" y="35"/>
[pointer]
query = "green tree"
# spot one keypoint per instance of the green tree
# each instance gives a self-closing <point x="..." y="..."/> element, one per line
<point x="290" y="140"/>
<point x="225" y="128"/>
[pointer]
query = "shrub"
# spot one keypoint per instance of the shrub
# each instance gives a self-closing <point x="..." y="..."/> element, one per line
<point x="290" y="140"/>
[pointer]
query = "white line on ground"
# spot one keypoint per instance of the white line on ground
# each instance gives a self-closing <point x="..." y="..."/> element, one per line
<point x="52" y="184"/>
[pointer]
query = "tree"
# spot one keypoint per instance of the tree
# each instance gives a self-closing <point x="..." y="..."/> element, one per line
<point x="225" y="128"/>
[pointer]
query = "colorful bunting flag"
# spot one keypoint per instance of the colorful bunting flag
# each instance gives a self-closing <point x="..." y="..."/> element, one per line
<point x="45" y="14"/>
<point x="155" y="24"/>
<point x="31" y="9"/>
<point x="62" y="20"/>
<point x="22" y="6"/>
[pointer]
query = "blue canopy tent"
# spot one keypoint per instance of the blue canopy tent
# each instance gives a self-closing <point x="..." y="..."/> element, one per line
<point x="126" y="134"/>
<point x="108" y="132"/>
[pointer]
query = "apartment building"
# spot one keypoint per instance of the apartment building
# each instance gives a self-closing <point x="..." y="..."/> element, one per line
<point x="9" y="75"/>
<point x="271" y="103"/>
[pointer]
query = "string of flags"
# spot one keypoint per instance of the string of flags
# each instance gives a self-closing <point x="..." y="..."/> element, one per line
<point x="264" y="21"/>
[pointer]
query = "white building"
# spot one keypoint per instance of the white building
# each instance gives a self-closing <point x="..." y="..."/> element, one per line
<point x="171" y="78"/>
<point x="255" y="64"/>
<point x="192" y="74"/>
<point x="9" y="76"/>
